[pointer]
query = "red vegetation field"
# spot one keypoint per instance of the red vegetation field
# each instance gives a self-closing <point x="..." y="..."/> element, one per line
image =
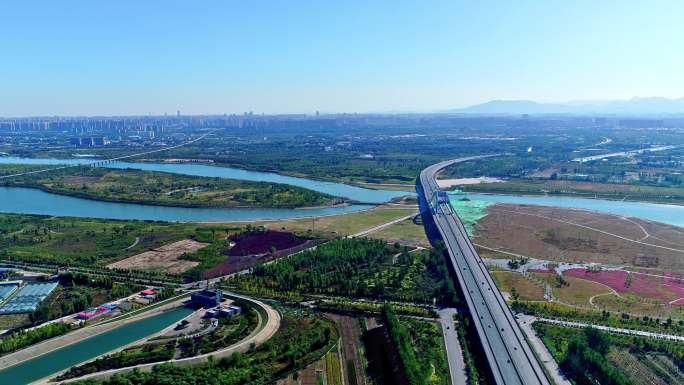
<point x="667" y="289"/>
<point x="262" y="242"/>
<point x="255" y="248"/>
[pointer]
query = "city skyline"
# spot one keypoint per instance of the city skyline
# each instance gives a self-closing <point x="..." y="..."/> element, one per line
<point x="132" y="58"/>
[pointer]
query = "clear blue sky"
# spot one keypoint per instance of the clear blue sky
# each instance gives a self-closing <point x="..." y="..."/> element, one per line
<point x="154" y="56"/>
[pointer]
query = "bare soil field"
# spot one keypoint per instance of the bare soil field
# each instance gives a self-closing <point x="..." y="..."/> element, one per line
<point x="165" y="258"/>
<point x="570" y="235"/>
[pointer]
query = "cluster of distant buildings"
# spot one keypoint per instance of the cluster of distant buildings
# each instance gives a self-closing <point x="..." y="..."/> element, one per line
<point x="143" y="298"/>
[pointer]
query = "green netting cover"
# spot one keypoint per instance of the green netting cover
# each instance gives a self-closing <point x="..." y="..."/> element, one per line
<point x="468" y="210"/>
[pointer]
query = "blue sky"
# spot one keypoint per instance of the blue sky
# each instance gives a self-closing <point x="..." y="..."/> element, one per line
<point x="155" y="56"/>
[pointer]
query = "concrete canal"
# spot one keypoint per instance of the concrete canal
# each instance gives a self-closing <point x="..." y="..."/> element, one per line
<point x="87" y="349"/>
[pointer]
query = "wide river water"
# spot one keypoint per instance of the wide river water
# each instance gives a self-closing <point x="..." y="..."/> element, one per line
<point x="60" y="359"/>
<point x="33" y="201"/>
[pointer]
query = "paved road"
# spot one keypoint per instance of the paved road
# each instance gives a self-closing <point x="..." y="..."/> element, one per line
<point x="641" y="333"/>
<point x="457" y="369"/>
<point x="511" y="360"/>
<point x="542" y="352"/>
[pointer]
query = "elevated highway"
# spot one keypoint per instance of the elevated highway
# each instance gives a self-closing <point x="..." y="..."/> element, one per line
<point x="510" y="358"/>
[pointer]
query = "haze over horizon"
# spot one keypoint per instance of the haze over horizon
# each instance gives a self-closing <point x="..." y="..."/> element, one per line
<point x="132" y="58"/>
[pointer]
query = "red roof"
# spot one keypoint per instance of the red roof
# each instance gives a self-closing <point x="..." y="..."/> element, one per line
<point x="147" y="292"/>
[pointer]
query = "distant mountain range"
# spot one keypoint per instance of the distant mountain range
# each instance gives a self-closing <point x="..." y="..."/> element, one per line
<point x="634" y="106"/>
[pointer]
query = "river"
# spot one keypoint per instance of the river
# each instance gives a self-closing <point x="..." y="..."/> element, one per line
<point x="354" y="193"/>
<point x="670" y="214"/>
<point x="33" y="201"/>
<point x="58" y="360"/>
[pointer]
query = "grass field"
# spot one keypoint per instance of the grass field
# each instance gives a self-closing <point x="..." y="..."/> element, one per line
<point x="635" y="305"/>
<point x="526" y="289"/>
<point x="429" y="348"/>
<point x="92" y="242"/>
<point x="576" y="292"/>
<point x="404" y="232"/>
<point x="346" y="224"/>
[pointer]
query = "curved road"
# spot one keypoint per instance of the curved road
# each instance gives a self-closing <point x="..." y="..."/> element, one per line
<point x="511" y="360"/>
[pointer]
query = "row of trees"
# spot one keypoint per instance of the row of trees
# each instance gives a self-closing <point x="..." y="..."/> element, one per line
<point x="403" y="347"/>
<point x="21" y="339"/>
<point x="583" y="354"/>
<point x="128" y="357"/>
<point x="299" y="342"/>
<point x="621" y="320"/>
<point x="356" y="268"/>
<point x="336" y="267"/>
<point x="586" y="363"/>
